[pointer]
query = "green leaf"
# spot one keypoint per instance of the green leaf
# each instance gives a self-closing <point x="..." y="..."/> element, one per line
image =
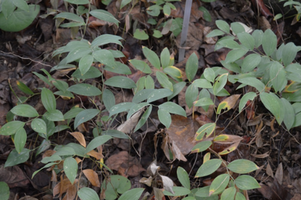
<point x="18" y="19"/>
<point x="237" y="28"/>
<point x="223" y="26"/>
<point x="173" y="108"/>
<point x="205" y="131"/>
<point x="174" y="72"/>
<point x="115" y="134"/>
<point x="48" y="99"/>
<point x="86" y="193"/>
<point x="54" y="115"/>
<point x="228" y="194"/>
<point x="250" y="62"/>
<point x="273" y="104"/>
<point x="141" y="65"/>
<point x="133" y="194"/>
<point x="96" y="142"/>
<point x="178" y="191"/>
<point x="45" y="144"/>
<point x="209" y="74"/>
<point x="289" y="53"/>
<point x="166" y="10"/>
<point x="24" y="110"/>
<point x="39" y="126"/>
<point x="85" y="116"/>
<point x="20" y="139"/>
<point x="84" y="89"/>
<point x="206" y="101"/>
<point x="242" y="166"/>
<point x="78" y="2"/>
<point x="105" y="57"/>
<point x="202" y="146"/>
<point x="246" y="40"/>
<point x="15" y="158"/>
<point x="202" y="83"/>
<point x="208" y="167"/>
<point x="140" y="34"/>
<point x="85" y="63"/>
<point x="70" y="16"/>
<point x="70" y="168"/>
<point x="294" y="72"/>
<point x="227" y="43"/>
<point x="104" y="15"/>
<point x="151" y="56"/>
<point x="164" y="117"/>
<point x="124" y="3"/>
<point x="108" y="99"/>
<point x="20" y="4"/>
<point x="121" y="82"/>
<point x="4" y="190"/>
<point x="11" y="127"/>
<point x="106" y="39"/>
<point x="257" y="35"/>
<point x="164" y="81"/>
<point x="269" y="42"/>
<point x="289" y="114"/>
<point x="191" y="66"/>
<point x="143" y="118"/>
<point x="177" y="88"/>
<point x="219" y="84"/>
<point x="219" y="184"/>
<point x="24" y="87"/>
<point x="116" y="184"/>
<point x="121" y="107"/>
<point x="191" y="95"/>
<point x="206" y="14"/>
<point x="165" y="57"/>
<point x="215" y="33"/>
<point x="72" y="112"/>
<point x="235" y="54"/>
<point x="248" y="96"/>
<point x="246" y="182"/>
<point x="254" y="82"/>
<point x="240" y="196"/>
<point x="277" y="76"/>
<point x="158" y="94"/>
<point x="183" y="177"/>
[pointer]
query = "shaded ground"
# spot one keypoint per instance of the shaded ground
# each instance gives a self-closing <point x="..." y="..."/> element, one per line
<point x="270" y="146"/>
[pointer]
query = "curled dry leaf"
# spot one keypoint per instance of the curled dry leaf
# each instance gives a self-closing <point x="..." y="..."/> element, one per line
<point x="79" y="137"/>
<point x="92" y="176"/>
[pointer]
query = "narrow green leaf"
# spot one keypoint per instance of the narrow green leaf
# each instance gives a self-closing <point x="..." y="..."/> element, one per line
<point x="143" y="118"/>
<point x="121" y="82"/>
<point x="99" y="140"/>
<point x="191" y="66"/>
<point x="85" y="116"/>
<point x="246" y="182"/>
<point x="219" y="184"/>
<point x="151" y="56"/>
<point x="108" y="99"/>
<point x="173" y="108"/>
<point x="183" y="177"/>
<point x="104" y="15"/>
<point x="191" y="95"/>
<point x="164" y="117"/>
<point x="165" y="57"/>
<point x="242" y="166"/>
<point x="106" y="39"/>
<point x="78" y="2"/>
<point x="84" y="89"/>
<point x="20" y="139"/>
<point x="289" y="114"/>
<point x="86" y="193"/>
<point x="70" y="16"/>
<point x="11" y="127"/>
<point x="208" y="167"/>
<point x="133" y="194"/>
<point x="273" y="104"/>
<point x="70" y="168"/>
<point x="164" y="81"/>
<point x="24" y="87"/>
<point x="48" y="99"/>
<point x="15" y="158"/>
<point x="24" y="110"/>
<point x="269" y="42"/>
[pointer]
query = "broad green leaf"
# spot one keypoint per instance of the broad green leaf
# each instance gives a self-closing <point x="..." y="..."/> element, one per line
<point x="24" y="110"/>
<point x="108" y="99"/>
<point x="164" y="117"/>
<point x="119" y="69"/>
<point x="173" y="108"/>
<point x="215" y="33"/>
<point x="20" y="4"/>
<point x="289" y="114"/>
<point x="250" y="62"/>
<point x="178" y="191"/>
<point x="165" y="57"/>
<point x="99" y="140"/>
<point x="257" y="35"/>
<point x="248" y="96"/>
<point x="121" y="107"/>
<point x="177" y="88"/>
<point x="191" y="95"/>
<point x="254" y="82"/>
<point x="20" y="139"/>
<point x="227" y="43"/>
<point x="140" y="34"/>
<point x="70" y="168"/>
<point x="72" y="112"/>
<point x="15" y="158"/>
<point x="121" y="82"/>
<point x="277" y="76"/>
<point x="78" y="2"/>
<point x="219" y="83"/>
<point x="202" y="83"/>
<point x="84" y="89"/>
<point x="294" y="72"/>
<point x="104" y="15"/>
<point x="133" y="194"/>
<point x="228" y="194"/>
<point x="206" y="14"/>
<point x="151" y="56"/>
<point x="269" y="42"/>
<point x="237" y="28"/>
<point x="240" y="196"/>
<point x="208" y="167"/>
<point x="149" y="82"/>
<point x="273" y="104"/>
<point x="142" y="95"/>
<point x="223" y="26"/>
<point x="19" y="19"/>
<point x="106" y="39"/>
<point x="205" y="131"/>
<point x="4" y="190"/>
<point x="86" y="193"/>
<point x="203" y="102"/>
<point x="105" y="57"/>
<point x="183" y="177"/>
<point x="54" y="115"/>
<point x="235" y="54"/>
<point x="93" y="72"/>
<point x="166" y="10"/>
<point x="124" y="3"/>
<point x="289" y="53"/>
<point x="242" y="166"/>
<point x="48" y="99"/>
<point x="164" y="81"/>
<point x="202" y="146"/>
<point x="246" y="40"/>
<point x="219" y="184"/>
<point x="158" y="94"/>
<point x="192" y="66"/>
<point x="24" y="87"/>
<point x="39" y="126"/>
<point x="85" y="116"/>
<point x="85" y="63"/>
<point x="209" y="74"/>
<point x="11" y="127"/>
<point x="143" y="118"/>
<point x="141" y="65"/>
<point x="246" y="182"/>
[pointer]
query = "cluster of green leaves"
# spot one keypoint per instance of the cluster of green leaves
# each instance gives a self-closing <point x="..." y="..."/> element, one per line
<point x="271" y="72"/>
<point x="16" y="15"/>
<point x="291" y="4"/>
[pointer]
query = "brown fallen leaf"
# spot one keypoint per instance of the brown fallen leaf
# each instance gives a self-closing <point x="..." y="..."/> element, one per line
<point x="92" y="176"/>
